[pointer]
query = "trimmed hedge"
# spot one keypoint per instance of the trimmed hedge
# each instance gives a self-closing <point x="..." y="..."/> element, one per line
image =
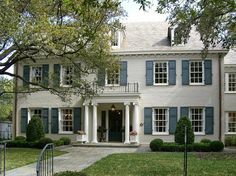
<point x="58" y="142"/>
<point x="20" y="138"/>
<point x="216" y="146"/>
<point x="43" y="141"/>
<point x="21" y="144"/>
<point x="156" y="144"/>
<point x="70" y="173"/>
<point x="65" y="140"/>
<point x="206" y="141"/>
<point x="230" y="141"/>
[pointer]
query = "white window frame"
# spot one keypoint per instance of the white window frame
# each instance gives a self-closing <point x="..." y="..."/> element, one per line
<point x="227" y="122"/>
<point x="62" y="75"/>
<point x="30" y="114"/>
<point x="203" y="120"/>
<point x="154" y="73"/>
<point x="227" y="82"/>
<point x="203" y="72"/>
<point x="106" y="79"/>
<point x="154" y="132"/>
<point x="60" y="118"/>
<point x="119" y="38"/>
<point x="32" y="77"/>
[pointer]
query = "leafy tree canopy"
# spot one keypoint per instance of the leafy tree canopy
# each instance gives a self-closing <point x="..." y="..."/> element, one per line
<point x="215" y="20"/>
<point x="70" y="31"/>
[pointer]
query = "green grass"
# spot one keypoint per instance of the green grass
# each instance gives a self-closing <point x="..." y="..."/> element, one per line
<point x="17" y="157"/>
<point x="163" y="164"/>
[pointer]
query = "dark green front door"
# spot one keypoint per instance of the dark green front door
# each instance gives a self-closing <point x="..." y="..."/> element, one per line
<point x="115" y="126"/>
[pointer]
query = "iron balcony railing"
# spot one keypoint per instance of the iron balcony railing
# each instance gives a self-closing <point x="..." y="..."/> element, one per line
<point x="128" y="88"/>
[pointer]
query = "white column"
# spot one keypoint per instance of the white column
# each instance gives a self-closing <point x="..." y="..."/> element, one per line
<point x="127" y="124"/>
<point x="136" y="121"/>
<point x="86" y="122"/>
<point x="95" y="124"/>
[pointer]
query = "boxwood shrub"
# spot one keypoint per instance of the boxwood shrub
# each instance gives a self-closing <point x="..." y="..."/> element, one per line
<point x="20" y="138"/>
<point x="43" y="141"/>
<point x="156" y="144"/>
<point x="206" y="141"/>
<point x="216" y="146"/>
<point x="58" y="142"/>
<point x="34" y="131"/>
<point x="65" y="140"/>
<point x="21" y="144"/>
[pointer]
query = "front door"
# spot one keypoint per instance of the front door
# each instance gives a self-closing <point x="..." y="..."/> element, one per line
<point x="115" y="126"/>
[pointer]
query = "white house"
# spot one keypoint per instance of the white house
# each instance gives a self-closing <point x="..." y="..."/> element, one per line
<point x="158" y="82"/>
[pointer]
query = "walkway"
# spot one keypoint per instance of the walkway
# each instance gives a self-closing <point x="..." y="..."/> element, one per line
<point x="77" y="159"/>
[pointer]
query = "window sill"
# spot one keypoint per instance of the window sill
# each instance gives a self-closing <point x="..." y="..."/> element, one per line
<point x="199" y="134"/>
<point x="230" y="133"/>
<point x="160" y="134"/>
<point x="112" y="85"/>
<point x="66" y="86"/>
<point x="196" y="84"/>
<point x="166" y="84"/>
<point x="229" y="92"/>
<point x="65" y="132"/>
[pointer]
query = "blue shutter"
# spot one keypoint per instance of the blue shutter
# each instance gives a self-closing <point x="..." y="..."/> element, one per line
<point x="172" y="119"/>
<point x="185" y="72"/>
<point x="56" y="78"/>
<point x="45" y="119"/>
<point x="101" y="77"/>
<point x="149" y="73"/>
<point x="208" y="72"/>
<point x="54" y="121"/>
<point x="184" y="112"/>
<point x="123" y="73"/>
<point x="172" y="72"/>
<point x="147" y="120"/>
<point x="45" y="74"/>
<point x="26" y="75"/>
<point x="24" y="119"/>
<point x="209" y="120"/>
<point x="77" y="119"/>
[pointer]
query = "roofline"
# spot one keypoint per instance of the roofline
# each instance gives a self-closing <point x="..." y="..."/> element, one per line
<point x="167" y="52"/>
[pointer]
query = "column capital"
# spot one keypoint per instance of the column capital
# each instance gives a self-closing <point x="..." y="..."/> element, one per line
<point x="135" y="103"/>
<point x="94" y="103"/>
<point x="126" y="103"/>
<point x="85" y="104"/>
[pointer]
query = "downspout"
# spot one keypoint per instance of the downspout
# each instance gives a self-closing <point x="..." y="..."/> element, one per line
<point x="15" y="101"/>
<point x="220" y="99"/>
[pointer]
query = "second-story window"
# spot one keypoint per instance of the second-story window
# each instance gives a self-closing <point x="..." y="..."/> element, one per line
<point x="161" y="73"/>
<point x="115" y="39"/>
<point x="230" y="82"/>
<point x="113" y="77"/>
<point x="36" y="74"/>
<point x="196" y="72"/>
<point x="67" y="75"/>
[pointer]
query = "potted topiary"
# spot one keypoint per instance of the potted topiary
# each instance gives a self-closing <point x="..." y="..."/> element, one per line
<point x="81" y="136"/>
<point x="102" y="132"/>
<point x="132" y="136"/>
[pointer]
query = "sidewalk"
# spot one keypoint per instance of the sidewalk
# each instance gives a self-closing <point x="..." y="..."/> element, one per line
<point x="77" y="159"/>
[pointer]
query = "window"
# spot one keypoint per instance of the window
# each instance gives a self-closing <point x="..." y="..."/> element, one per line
<point x="196" y="72"/>
<point x="67" y="75"/>
<point x="230" y="80"/>
<point x="113" y="77"/>
<point x="160" y="120"/>
<point x="35" y="112"/>
<point x="115" y="39"/>
<point x="231" y="122"/>
<point x="161" y="73"/>
<point x="36" y="74"/>
<point x="197" y="120"/>
<point x="66" y="120"/>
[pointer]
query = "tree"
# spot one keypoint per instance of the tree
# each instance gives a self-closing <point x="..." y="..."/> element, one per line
<point x="6" y="98"/>
<point x="215" y="20"/>
<point x="69" y="31"/>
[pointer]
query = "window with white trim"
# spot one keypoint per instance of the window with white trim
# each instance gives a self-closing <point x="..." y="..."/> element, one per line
<point x="115" y="40"/>
<point x="197" y="119"/>
<point x="66" y="120"/>
<point x="36" y="74"/>
<point x="161" y="73"/>
<point x="67" y="72"/>
<point x="160" y="120"/>
<point x="113" y="77"/>
<point x="231" y="122"/>
<point x="196" y="72"/>
<point x="230" y="82"/>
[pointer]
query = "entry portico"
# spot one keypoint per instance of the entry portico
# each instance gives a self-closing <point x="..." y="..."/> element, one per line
<point x="118" y="121"/>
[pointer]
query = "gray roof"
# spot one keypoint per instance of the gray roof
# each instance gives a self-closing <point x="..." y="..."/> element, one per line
<point x="151" y="36"/>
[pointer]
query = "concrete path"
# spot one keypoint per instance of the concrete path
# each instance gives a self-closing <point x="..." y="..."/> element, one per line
<point x="77" y="159"/>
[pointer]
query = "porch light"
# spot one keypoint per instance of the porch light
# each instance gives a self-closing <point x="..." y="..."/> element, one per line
<point x="113" y="108"/>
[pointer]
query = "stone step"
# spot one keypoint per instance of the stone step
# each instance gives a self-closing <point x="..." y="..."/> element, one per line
<point x="105" y="144"/>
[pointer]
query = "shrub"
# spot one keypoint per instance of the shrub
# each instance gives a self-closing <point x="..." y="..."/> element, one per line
<point x="228" y="141"/>
<point x="233" y="143"/>
<point x="20" y="138"/>
<point x="216" y="146"/>
<point x="65" y="140"/>
<point x="43" y="141"/>
<point x="21" y="144"/>
<point x="34" y="129"/>
<point x="206" y="141"/>
<point x="58" y="142"/>
<point x="179" y="132"/>
<point x="70" y="173"/>
<point x="156" y="144"/>
<point x="201" y="147"/>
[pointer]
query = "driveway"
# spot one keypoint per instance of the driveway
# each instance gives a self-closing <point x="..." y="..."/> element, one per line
<point x="77" y="159"/>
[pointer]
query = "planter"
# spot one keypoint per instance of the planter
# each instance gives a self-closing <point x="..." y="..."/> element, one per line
<point x="132" y="139"/>
<point x="81" y="138"/>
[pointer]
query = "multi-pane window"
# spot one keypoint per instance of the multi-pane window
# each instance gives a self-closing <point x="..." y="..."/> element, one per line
<point x="196" y="72"/>
<point x="67" y="120"/>
<point x="231" y="122"/>
<point x="67" y="75"/>
<point x="113" y="77"/>
<point x="36" y="113"/>
<point x="115" y="39"/>
<point x="196" y="116"/>
<point x="36" y="74"/>
<point x="160" y="120"/>
<point x="161" y="73"/>
<point x="230" y="82"/>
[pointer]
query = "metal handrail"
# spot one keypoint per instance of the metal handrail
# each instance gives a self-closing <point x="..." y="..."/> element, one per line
<point x="43" y="161"/>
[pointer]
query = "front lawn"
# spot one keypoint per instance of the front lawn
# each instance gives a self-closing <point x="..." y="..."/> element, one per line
<point x="17" y="157"/>
<point x="163" y="164"/>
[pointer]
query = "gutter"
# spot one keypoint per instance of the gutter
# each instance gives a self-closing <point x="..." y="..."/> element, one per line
<point x="15" y="102"/>
<point x="220" y="99"/>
